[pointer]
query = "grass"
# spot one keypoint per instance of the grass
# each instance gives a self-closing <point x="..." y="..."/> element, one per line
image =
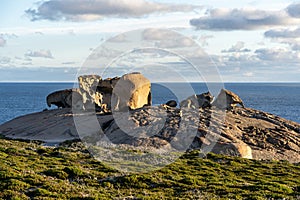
<point x="30" y="171"/>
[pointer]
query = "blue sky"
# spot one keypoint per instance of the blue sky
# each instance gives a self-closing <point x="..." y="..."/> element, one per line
<point x="249" y="41"/>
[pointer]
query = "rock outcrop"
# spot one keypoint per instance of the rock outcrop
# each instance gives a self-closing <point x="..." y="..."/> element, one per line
<point x="65" y="98"/>
<point x="220" y="127"/>
<point x="90" y="97"/>
<point x="131" y="91"/>
<point x="227" y="100"/>
<point x="197" y="101"/>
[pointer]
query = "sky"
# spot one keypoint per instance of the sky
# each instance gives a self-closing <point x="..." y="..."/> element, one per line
<point x="248" y="41"/>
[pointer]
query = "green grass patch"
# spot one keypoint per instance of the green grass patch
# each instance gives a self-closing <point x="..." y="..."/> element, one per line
<point x="30" y="171"/>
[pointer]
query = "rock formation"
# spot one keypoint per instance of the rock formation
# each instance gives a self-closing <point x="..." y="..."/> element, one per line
<point x="88" y="85"/>
<point x="220" y="127"/>
<point x="64" y="99"/>
<point x="197" y="101"/>
<point x="239" y="149"/>
<point x="130" y="91"/>
<point x="243" y="131"/>
<point x="227" y="100"/>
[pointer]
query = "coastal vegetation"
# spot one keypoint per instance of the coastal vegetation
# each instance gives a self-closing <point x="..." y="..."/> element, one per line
<point x="30" y="171"/>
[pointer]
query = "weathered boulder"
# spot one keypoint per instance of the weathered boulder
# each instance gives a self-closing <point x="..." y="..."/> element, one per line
<point x="105" y="89"/>
<point x="88" y="85"/>
<point x="227" y="100"/>
<point x="200" y="100"/>
<point x="132" y="91"/>
<point x="65" y="98"/>
<point x="205" y="99"/>
<point x="239" y="149"/>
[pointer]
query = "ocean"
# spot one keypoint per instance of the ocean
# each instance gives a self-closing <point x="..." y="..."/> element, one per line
<point x="282" y="99"/>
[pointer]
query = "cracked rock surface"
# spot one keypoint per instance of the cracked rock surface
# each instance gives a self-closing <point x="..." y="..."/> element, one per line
<point x="236" y="132"/>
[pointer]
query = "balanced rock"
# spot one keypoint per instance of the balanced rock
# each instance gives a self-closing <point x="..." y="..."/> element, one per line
<point x="227" y="100"/>
<point x="132" y="91"/>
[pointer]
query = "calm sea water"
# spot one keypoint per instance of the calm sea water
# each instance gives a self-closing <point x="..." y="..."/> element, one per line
<point x="283" y="99"/>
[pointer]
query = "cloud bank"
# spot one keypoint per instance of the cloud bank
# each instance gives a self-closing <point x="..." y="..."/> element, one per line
<point x="294" y="10"/>
<point x="78" y="10"/>
<point x="243" y="19"/>
<point x="237" y="48"/>
<point x="283" y="33"/>
<point x="40" y="54"/>
<point x="286" y="36"/>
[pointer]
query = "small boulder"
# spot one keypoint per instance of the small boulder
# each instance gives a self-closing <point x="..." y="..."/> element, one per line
<point x="204" y="99"/>
<point x="238" y="149"/>
<point x="171" y="103"/>
<point x="200" y="100"/>
<point x="227" y="100"/>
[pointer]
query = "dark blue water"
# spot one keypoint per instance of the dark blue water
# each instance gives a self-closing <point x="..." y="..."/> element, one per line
<point x="282" y="99"/>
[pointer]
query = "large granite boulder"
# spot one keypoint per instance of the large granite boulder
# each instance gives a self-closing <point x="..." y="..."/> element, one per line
<point x="132" y="91"/>
<point x="227" y="100"/>
<point x="65" y="98"/>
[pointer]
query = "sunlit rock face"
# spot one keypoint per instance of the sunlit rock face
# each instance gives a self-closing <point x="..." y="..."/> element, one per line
<point x="131" y="91"/>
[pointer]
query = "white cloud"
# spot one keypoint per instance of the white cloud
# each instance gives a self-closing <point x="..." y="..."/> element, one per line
<point x="5" y="60"/>
<point x="237" y="48"/>
<point x="78" y="10"/>
<point x="69" y="63"/>
<point x="40" y="53"/>
<point x="287" y="36"/>
<point x="276" y="55"/>
<point x="2" y="41"/>
<point x="156" y="34"/>
<point x="294" y="10"/>
<point x="283" y="33"/>
<point x="167" y="39"/>
<point x="295" y="46"/>
<point x="39" y="33"/>
<point x="248" y="74"/>
<point x="204" y="39"/>
<point x="241" y="19"/>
